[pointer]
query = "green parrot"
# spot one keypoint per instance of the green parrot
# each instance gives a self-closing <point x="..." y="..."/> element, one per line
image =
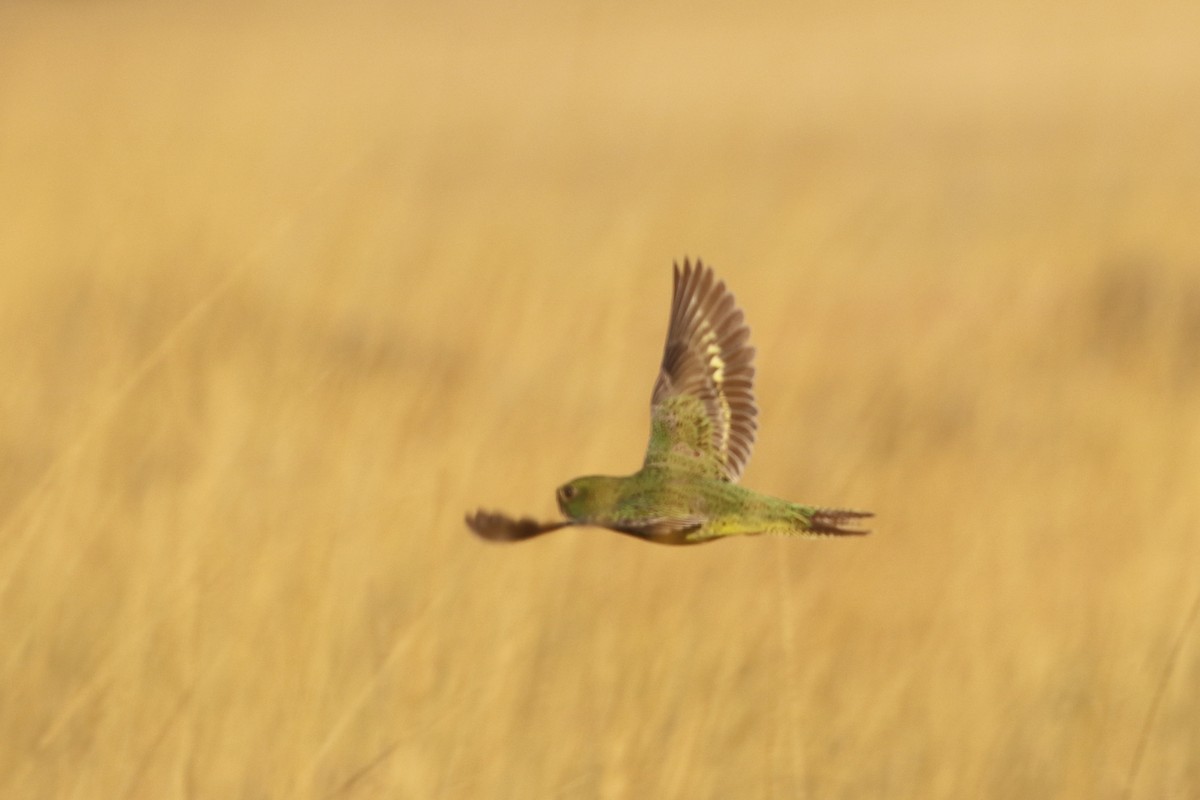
<point x="702" y="429"/>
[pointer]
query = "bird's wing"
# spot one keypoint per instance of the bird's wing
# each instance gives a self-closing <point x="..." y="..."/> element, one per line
<point x="702" y="414"/>
<point x="496" y="526"/>
<point x="663" y="529"/>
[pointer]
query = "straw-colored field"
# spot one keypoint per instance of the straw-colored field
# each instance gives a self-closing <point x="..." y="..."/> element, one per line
<point x="284" y="292"/>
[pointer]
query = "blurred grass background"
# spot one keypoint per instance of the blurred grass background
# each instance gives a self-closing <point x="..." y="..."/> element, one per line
<point x="285" y="290"/>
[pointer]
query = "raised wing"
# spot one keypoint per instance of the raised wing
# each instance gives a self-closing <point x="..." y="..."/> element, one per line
<point x="702" y="416"/>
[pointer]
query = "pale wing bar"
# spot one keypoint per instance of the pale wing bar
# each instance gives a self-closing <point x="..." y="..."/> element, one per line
<point x="707" y="356"/>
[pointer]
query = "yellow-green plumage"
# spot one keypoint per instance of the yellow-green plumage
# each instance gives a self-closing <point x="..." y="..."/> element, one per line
<point x="672" y="508"/>
<point x="702" y="430"/>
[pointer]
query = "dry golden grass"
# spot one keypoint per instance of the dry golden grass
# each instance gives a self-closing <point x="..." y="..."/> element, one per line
<point x="285" y="292"/>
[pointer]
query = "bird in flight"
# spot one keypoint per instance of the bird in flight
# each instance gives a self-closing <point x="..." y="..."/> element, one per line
<point x="702" y="428"/>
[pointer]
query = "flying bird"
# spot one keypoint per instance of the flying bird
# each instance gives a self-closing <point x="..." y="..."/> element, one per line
<point x="702" y="430"/>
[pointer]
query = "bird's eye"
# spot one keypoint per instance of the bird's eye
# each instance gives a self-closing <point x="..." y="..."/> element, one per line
<point x="567" y="492"/>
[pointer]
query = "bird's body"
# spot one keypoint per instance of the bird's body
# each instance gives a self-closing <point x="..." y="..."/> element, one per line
<point x="669" y="508"/>
<point x="702" y="431"/>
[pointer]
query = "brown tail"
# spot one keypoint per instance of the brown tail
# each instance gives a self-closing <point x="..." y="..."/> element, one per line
<point x="838" y="522"/>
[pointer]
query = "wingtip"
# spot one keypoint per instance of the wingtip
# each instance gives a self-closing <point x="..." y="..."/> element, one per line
<point x="689" y="267"/>
<point x="495" y="526"/>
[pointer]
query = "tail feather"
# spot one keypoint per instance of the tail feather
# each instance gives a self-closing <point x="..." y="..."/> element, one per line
<point x="838" y="522"/>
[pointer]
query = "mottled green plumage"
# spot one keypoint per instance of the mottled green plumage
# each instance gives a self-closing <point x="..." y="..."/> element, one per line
<point x="675" y="508"/>
<point x="702" y="430"/>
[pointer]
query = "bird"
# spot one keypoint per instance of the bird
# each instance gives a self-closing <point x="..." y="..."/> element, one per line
<point x="703" y="423"/>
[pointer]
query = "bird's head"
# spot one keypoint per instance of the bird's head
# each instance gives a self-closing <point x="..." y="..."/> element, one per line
<point x="590" y="499"/>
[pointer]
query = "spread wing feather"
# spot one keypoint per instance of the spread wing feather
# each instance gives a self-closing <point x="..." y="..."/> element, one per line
<point x="702" y="410"/>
